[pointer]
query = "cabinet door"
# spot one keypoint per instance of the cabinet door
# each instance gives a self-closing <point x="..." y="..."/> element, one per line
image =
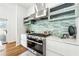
<point x="63" y="48"/>
<point x="54" y="46"/>
<point x="24" y="40"/>
<point x="51" y="53"/>
<point x="24" y="43"/>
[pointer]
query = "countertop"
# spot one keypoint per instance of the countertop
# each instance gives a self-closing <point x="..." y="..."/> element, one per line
<point x="67" y="41"/>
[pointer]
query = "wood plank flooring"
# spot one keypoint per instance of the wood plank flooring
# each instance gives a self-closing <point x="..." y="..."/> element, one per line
<point x="13" y="50"/>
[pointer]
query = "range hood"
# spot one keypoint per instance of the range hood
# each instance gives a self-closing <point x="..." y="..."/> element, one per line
<point x="40" y="9"/>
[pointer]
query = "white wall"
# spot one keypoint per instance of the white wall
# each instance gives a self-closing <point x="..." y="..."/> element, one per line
<point x="21" y="13"/>
<point x="14" y="13"/>
<point x="8" y="11"/>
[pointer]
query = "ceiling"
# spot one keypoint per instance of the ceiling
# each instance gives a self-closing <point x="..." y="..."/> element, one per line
<point x="26" y="5"/>
<point x="50" y="5"/>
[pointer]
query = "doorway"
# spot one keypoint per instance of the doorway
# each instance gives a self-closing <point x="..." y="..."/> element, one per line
<point x="3" y="30"/>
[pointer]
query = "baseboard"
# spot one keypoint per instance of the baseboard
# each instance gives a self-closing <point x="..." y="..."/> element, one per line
<point x="4" y="43"/>
<point x="11" y="42"/>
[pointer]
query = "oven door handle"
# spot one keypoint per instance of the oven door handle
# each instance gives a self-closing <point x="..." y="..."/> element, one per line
<point x="35" y="42"/>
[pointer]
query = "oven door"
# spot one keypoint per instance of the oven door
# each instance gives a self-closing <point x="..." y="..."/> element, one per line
<point x="35" y="46"/>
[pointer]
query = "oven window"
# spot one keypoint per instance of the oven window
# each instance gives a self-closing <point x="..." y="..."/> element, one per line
<point x="36" y="47"/>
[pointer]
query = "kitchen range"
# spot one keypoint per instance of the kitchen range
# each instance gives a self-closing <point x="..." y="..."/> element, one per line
<point x="36" y="43"/>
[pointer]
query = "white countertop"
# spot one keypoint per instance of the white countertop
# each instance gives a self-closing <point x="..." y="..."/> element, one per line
<point x="67" y="41"/>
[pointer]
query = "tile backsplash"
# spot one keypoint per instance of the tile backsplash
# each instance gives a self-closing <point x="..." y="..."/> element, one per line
<point x="57" y="27"/>
<point x="61" y="27"/>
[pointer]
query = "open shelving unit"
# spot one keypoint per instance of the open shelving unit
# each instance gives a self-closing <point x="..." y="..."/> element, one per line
<point x="64" y="11"/>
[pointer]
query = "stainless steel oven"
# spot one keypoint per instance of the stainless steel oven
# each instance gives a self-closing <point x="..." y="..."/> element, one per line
<point x="37" y="45"/>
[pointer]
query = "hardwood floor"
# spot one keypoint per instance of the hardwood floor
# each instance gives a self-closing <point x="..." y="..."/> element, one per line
<point x="13" y="50"/>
